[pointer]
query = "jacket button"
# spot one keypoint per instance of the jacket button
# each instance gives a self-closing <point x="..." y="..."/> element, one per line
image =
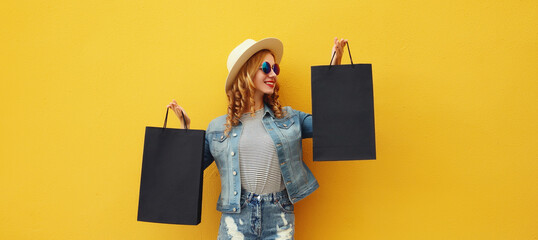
<point x="285" y="125"/>
<point x="232" y="153"/>
<point x="278" y="145"/>
<point x="221" y="137"/>
<point x="234" y="173"/>
<point x="288" y="182"/>
<point x="235" y="192"/>
<point x="283" y="163"/>
<point x="235" y="210"/>
<point x="235" y="134"/>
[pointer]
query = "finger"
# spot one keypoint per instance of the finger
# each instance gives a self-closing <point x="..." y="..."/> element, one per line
<point x="183" y="113"/>
<point x="335" y="40"/>
<point x="178" y="113"/>
<point x="181" y="110"/>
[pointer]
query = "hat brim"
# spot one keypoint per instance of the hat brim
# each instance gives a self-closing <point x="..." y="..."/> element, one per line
<point x="272" y="44"/>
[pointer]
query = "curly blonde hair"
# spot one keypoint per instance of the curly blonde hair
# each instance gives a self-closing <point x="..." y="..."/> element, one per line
<point x="241" y="94"/>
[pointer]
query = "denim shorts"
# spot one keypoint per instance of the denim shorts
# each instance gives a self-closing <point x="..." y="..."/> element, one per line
<point x="266" y="216"/>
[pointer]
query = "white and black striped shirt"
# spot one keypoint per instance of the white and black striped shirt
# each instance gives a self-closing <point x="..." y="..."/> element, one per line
<point x="258" y="159"/>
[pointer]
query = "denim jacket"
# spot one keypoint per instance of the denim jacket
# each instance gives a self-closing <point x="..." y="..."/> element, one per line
<point x="286" y="133"/>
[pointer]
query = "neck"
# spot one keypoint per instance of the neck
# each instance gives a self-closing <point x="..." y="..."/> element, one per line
<point x="258" y="100"/>
<point x="258" y="104"/>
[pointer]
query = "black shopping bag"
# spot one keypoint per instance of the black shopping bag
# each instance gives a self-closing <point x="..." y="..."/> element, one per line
<point x="343" y="112"/>
<point x="171" y="181"/>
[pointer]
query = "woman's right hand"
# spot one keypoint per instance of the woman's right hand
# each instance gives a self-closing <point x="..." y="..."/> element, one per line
<point x="178" y="110"/>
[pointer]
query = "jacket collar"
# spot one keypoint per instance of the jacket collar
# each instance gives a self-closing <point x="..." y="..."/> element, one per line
<point x="267" y="109"/>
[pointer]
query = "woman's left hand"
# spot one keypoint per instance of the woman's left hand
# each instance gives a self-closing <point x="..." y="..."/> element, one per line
<point x="339" y="48"/>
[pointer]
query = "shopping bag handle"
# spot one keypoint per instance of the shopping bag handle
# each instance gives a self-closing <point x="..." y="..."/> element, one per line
<point x="166" y="119"/>
<point x="347" y="51"/>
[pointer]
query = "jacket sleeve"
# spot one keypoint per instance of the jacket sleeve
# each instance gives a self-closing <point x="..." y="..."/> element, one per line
<point x="208" y="158"/>
<point x="306" y="124"/>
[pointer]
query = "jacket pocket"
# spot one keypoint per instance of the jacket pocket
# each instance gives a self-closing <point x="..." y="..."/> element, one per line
<point x="285" y="123"/>
<point x="289" y="128"/>
<point x="218" y="142"/>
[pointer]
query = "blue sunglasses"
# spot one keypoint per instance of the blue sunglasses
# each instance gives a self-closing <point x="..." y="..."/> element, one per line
<point x="266" y="67"/>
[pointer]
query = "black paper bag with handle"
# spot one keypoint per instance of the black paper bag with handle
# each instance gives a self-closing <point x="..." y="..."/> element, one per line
<point x="343" y="112"/>
<point x="172" y="177"/>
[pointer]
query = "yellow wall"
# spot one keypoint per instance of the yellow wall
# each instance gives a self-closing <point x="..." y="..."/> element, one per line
<point x="455" y="85"/>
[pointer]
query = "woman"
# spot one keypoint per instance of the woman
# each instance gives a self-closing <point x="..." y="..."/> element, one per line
<point x="257" y="146"/>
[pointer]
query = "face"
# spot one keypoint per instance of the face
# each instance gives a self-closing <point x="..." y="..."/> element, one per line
<point x="265" y="83"/>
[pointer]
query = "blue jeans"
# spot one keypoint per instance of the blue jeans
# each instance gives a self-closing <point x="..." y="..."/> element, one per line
<point x="263" y="217"/>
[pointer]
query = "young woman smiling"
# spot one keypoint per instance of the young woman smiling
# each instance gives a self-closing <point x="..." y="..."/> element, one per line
<point x="257" y="146"/>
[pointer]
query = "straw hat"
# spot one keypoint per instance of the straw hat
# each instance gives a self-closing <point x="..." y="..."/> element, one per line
<point x="245" y="50"/>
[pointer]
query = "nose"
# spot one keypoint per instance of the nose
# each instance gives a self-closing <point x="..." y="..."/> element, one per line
<point x="272" y="73"/>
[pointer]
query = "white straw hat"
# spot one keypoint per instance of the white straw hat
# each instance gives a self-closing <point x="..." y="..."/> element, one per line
<point x="245" y="50"/>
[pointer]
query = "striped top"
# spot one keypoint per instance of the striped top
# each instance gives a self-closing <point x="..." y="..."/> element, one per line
<point x="258" y="159"/>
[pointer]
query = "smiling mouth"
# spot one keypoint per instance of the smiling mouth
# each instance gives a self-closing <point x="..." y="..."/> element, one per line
<point x="269" y="83"/>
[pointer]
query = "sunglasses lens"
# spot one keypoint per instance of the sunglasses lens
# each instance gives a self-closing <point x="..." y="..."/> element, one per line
<point x="276" y="68"/>
<point x="266" y="67"/>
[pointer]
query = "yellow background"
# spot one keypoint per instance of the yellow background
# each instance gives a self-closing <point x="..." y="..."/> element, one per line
<point x="455" y="85"/>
